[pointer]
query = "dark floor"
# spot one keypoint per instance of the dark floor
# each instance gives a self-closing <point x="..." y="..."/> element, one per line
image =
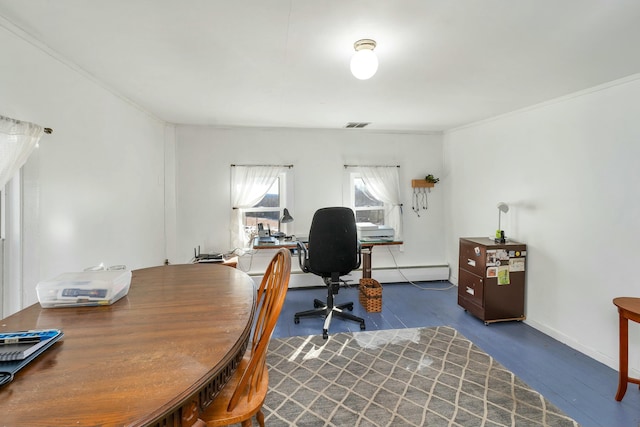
<point x="582" y="387"/>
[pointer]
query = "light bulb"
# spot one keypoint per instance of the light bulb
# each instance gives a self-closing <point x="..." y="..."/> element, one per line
<point x="364" y="62"/>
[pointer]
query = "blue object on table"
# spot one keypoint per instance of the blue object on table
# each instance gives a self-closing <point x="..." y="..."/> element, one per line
<point x="14" y="357"/>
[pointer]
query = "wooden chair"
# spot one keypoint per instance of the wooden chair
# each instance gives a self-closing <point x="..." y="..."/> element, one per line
<point x="242" y="397"/>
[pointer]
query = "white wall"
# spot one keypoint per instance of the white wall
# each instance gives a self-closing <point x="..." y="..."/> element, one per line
<point x="569" y="171"/>
<point x="204" y="156"/>
<point x="99" y="189"/>
<point x="94" y="191"/>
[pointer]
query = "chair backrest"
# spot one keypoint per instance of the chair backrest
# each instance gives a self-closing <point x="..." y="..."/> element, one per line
<point x="333" y="242"/>
<point x="270" y="298"/>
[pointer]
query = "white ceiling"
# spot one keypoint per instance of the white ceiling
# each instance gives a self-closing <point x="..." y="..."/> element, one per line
<point x="285" y="63"/>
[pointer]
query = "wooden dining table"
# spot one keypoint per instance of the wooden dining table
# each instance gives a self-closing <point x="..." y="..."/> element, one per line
<point x="157" y="357"/>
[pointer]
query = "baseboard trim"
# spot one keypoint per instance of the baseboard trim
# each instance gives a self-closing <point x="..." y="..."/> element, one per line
<point x="383" y="275"/>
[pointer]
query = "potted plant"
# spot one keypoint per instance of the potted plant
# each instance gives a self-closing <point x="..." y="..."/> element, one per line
<point x="432" y="179"/>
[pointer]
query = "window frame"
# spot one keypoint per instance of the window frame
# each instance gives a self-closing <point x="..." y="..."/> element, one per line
<point x="285" y="193"/>
<point x="349" y="197"/>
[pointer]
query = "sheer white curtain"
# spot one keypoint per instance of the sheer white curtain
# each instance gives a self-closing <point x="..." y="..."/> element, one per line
<point x="384" y="184"/>
<point x="249" y="184"/>
<point x="17" y="141"/>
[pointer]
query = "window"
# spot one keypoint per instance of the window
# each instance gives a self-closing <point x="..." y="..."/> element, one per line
<point x="259" y="195"/>
<point x="367" y="208"/>
<point x="268" y="210"/>
<point x="373" y="192"/>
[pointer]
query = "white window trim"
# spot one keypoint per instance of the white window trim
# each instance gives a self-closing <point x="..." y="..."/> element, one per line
<point x="12" y="270"/>
<point x="286" y="199"/>
<point x="348" y="195"/>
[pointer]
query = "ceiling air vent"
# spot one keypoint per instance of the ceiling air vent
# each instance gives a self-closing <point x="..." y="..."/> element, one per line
<point x="356" y="125"/>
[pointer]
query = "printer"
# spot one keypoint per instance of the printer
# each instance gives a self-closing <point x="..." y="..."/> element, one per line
<point x="368" y="231"/>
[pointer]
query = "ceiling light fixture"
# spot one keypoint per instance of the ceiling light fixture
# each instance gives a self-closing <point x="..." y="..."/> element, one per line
<point x="364" y="63"/>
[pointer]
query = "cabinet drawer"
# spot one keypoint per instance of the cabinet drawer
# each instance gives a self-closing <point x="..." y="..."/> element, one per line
<point x="472" y="257"/>
<point x="471" y="287"/>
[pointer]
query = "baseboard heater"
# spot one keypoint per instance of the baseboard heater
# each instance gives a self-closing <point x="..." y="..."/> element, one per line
<point x="382" y="275"/>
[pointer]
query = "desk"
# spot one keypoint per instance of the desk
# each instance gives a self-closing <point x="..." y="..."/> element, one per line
<point x="154" y="358"/>
<point x="367" y="247"/>
<point x="628" y="309"/>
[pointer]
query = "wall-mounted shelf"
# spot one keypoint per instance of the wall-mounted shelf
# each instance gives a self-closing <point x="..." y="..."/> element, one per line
<point x="421" y="183"/>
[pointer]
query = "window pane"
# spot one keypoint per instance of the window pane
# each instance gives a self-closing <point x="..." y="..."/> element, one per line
<point x="272" y="198"/>
<point x="265" y="212"/>
<point x="375" y="216"/>
<point x="362" y="197"/>
<point x="267" y="218"/>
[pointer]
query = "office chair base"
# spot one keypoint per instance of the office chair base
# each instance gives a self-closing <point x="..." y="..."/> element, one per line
<point x="323" y="309"/>
<point x="321" y="304"/>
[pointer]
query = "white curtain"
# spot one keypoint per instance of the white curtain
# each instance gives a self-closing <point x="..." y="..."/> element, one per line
<point x="17" y="141"/>
<point x="383" y="183"/>
<point x="249" y="184"/>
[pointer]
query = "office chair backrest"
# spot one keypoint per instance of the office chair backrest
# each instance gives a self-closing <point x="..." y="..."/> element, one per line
<point x="333" y="242"/>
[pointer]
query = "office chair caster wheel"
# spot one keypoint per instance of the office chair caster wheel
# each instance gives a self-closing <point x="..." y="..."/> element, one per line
<point x="296" y="320"/>
<point x="349" y="307"/>
<point x="316" y="305"/>
<point x="362" y="327"/>
<point x="325" y="334"/>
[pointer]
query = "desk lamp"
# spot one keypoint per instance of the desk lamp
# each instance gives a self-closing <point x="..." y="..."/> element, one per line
<point x="502" y="207"/>
<point x="286" y="218"/>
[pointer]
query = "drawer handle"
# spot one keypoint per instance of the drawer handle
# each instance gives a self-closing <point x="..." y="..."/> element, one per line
<point x="471" y="291"/>
<point x="471" y="262"/>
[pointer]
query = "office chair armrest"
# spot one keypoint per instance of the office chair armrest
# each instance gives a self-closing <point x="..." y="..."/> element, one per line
<point x="302" y="248"/>
<point x="359" y="255"/>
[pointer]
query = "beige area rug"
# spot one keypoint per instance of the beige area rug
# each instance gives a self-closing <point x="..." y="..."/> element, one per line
<point x="398" y="377"/>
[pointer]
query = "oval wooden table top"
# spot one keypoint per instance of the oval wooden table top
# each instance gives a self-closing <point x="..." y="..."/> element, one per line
<point x="137" y="360"/>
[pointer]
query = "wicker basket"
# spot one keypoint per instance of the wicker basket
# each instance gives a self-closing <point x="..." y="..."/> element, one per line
<point x="371" y="295"/>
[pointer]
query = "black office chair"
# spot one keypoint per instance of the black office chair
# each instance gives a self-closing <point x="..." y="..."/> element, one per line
<point x="333" y="250"/>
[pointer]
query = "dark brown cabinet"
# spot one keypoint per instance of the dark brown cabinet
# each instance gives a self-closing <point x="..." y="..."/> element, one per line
<point x="491" y="279"/>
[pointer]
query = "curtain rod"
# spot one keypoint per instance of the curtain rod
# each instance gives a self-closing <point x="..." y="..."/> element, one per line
<point x="371" y="166"/>
<point x="46" y="130"/>
<point x="272" y="166"/>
